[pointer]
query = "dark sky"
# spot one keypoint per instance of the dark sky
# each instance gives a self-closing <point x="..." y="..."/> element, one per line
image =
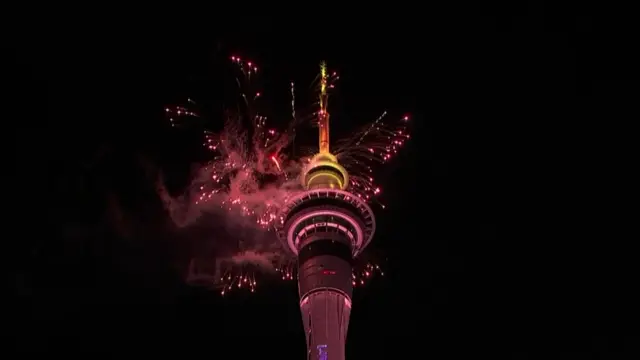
<point x="481" y="260"/>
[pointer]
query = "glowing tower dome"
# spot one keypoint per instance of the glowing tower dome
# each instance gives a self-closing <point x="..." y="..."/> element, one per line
<point x="326" y="227"/>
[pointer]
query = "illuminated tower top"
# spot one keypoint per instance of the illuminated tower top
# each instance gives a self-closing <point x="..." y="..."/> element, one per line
<point x="324" y="171"/>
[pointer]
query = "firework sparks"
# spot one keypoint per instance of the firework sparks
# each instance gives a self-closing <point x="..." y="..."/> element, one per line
<point x="179" y="113"/>
<point x="362" y="276"/>
<point x="230" y="282"/>
<point x="249" y="173"/>
<point x="376" y="143"/>
<point x="288" y="271"/>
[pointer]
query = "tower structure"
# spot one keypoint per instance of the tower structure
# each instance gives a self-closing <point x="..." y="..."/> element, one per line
<point x="326" y="227"/>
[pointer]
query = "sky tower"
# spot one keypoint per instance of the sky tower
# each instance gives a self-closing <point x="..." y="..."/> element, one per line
<point x="325" y="227"/>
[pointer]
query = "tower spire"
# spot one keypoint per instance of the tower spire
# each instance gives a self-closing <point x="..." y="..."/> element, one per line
<point x="324" y="171"/>
<point x="323" y="115"/>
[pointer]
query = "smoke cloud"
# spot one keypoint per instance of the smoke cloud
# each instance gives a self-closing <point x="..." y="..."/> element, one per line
<point x="231" y="226"/>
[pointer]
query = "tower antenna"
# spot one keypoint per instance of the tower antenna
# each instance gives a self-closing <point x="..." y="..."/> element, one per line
<point x="323" y="114"/>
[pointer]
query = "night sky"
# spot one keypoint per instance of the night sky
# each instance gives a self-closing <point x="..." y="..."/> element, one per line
<point x="480" y="258"/>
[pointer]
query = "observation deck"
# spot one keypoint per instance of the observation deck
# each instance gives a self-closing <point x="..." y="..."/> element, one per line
<point x="326" y="210"/>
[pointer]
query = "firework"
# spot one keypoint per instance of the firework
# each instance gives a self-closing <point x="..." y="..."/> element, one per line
<point x="252" y="170"/>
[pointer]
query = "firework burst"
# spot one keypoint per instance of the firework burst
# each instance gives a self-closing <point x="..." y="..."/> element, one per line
<point x="251" y="173"/>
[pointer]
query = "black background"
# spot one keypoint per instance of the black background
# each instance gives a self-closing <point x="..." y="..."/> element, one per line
<point x="480" y="232"/>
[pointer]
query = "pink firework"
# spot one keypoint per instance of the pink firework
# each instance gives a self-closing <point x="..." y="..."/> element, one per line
<point x="251" y="171"/>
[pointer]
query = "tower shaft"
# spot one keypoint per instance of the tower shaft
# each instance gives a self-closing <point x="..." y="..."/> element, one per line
<point x="324" y="282"/>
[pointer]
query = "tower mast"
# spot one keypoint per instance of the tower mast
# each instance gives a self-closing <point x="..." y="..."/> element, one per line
<point x="323" y="115"/>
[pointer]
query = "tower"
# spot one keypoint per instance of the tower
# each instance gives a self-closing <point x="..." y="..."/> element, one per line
<point x="325" y="227"/>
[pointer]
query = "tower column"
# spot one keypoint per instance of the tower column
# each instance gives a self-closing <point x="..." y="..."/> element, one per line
<point x="324" y="282"/>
